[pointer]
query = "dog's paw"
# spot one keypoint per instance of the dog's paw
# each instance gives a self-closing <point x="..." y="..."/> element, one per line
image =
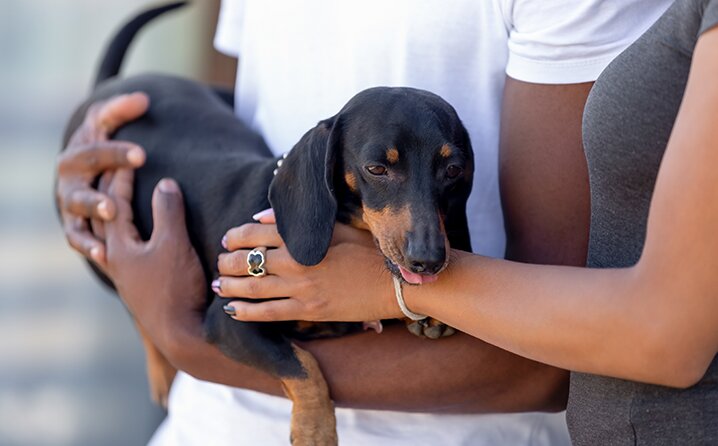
<point x="429" y="328"/>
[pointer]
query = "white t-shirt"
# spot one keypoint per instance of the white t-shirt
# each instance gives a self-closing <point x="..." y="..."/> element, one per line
<point x="301" y="61"/>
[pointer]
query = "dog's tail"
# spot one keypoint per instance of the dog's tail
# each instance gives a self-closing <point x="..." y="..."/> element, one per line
<point x="115" y="53"/>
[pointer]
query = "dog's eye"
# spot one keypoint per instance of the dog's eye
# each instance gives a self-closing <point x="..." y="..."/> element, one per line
<point x="376" y="170"/>
<point x="454" y="171"/>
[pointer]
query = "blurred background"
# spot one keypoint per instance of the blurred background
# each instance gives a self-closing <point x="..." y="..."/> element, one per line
<point x="71" y="363"/>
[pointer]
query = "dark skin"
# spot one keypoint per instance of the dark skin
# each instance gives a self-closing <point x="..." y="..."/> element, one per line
<point x="543" y="173"/>
<point x="158" y="281"/>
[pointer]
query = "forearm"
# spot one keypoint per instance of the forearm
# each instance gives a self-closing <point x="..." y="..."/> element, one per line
<point x="459" y="374"/>
<point x="184" y="346"/>
<point x="608" y="322"/>
<point x="397" y="371"/>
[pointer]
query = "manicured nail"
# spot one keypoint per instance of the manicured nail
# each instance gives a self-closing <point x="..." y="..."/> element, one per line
<point x="224" y="242"/>
<point x="229" y="310"/>
<point x="259" y="215"/>
<point x="216" y="286"/>
<point x="168" y="186"/>
<point x="103" y="210"/>
<point x="136" y="156"/>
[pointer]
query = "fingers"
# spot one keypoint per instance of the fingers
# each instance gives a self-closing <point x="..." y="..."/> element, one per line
<point x="91" y="159"/>
<point x="87" y="203"/>
<point x="274" y="310"/>
<point x="265" y="287"/>
<point x="122" y="229"/>
<point x="122" y="185"/>
<point x="252" y="235"/>
<point x="235" y="263"/>
<point x="168" y="212"/>
<point x="265" y="216"/>
<point x="120" y="110"/>
<point x="82" y="240"/>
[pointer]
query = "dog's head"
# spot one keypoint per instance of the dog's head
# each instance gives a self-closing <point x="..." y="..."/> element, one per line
<point x="395" y="161"/>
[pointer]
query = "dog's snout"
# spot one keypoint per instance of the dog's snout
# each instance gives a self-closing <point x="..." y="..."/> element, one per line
<point x="425" y="258"/>
<point x="426" y="266"/>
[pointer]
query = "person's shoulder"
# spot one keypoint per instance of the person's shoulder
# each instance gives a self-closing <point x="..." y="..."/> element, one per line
<point x="572" y="41"/>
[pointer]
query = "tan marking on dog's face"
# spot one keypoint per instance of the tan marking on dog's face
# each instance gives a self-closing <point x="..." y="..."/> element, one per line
<point x="359" y="223"/>
<point x="389" y="227"/>
<point x="351" y="181"/>
<point x="313" y="419"/>
<point x="445" y="151"/>
<point x="392" y="155"/>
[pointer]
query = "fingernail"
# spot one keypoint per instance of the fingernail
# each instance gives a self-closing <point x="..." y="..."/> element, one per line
<point x="259" y="215"/>
<point x="229" y="310"/>
<point x="168" y="186"/>
<point x="136" y="156"/>
<point x="216" y="286"/>
<point x="95" y="254"/>
<point x="224" y="242"/>
<point x="103" y="210"/>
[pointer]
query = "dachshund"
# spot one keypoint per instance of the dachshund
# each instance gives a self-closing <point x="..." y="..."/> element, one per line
<point x="395" y="161"/>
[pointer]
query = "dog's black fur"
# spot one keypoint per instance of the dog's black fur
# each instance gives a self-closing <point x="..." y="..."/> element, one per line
<point x="226" y="174"/>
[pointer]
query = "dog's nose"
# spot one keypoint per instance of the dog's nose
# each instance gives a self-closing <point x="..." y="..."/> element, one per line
<point x="426" y="266"/>
<point x="424" y="259"/>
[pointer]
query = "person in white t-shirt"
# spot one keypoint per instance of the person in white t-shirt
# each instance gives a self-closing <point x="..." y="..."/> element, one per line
<point x="518" y="73"/>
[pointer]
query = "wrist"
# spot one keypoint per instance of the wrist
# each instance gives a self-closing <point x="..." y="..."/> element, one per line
<point x="415" y="298"/>
<point x="430" y="298"/>
<point x="392" y="309"/>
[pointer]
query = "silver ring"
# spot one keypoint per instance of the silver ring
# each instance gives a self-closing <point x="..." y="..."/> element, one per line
<point x="255" y="262"/>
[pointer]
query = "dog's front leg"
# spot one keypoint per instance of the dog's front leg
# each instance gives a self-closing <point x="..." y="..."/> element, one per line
<point x="160" y="373"/>
<point x="313" y="420"/>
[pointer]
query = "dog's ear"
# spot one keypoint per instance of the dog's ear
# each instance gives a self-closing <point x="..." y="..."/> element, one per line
<point x="457" y="226"/>
<point x="456" y="223"/>
<point x="302" y="194"/>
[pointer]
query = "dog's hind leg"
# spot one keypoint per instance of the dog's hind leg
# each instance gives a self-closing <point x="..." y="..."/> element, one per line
<point x="313" y="419"/>
<point x="160" y="373"/>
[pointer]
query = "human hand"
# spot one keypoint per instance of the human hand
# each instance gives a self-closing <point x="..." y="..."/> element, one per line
<point x="88" y="154"/>
<point x="161" y="281"/>
<point x="350" y="284"/>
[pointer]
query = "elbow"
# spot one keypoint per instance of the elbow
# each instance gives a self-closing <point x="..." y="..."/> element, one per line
<point x="686" y="375"/>
<point x="672" y="364"/>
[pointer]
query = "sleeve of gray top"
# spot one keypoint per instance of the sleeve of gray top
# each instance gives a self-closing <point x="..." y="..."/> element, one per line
<point x="710" y="16"/>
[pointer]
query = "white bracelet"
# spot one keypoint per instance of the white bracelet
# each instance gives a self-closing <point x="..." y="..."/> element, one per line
<point x="400" y="300"/>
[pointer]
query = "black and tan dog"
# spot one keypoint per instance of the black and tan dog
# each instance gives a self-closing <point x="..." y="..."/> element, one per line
<point x="395" y="161"/>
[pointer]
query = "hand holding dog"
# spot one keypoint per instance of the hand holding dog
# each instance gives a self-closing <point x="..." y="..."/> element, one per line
<point x="90" y="153"/>
<point x="329" y="291"/>
<point x="161" y="281"/>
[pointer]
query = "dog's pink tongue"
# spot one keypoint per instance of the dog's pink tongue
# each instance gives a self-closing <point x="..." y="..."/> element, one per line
<point x="414" y="278"/>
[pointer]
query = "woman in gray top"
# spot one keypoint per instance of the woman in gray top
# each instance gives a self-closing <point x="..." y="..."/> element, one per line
<point x="642" y="332"/>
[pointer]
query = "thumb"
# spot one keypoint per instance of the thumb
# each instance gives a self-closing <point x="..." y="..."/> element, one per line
<point x="168" y="213"/>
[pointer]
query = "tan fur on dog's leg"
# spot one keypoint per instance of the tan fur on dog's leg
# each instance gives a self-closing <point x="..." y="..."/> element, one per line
<point x="313" y="420"/>
<point x="160" y="373"/>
